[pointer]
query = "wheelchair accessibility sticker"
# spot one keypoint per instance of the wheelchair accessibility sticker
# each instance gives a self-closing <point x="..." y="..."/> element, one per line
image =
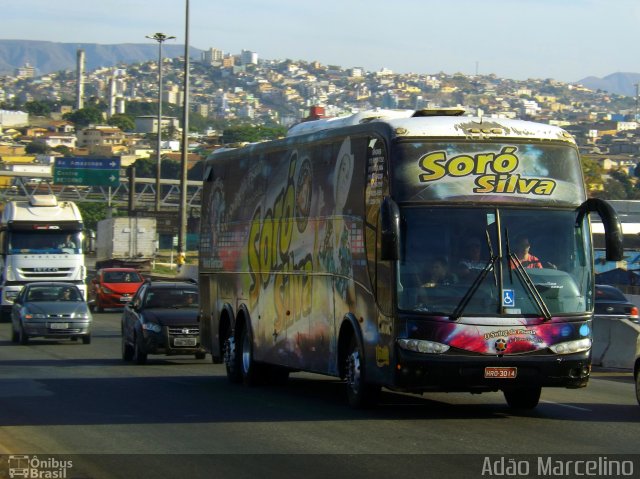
<point x="508" y="298"/>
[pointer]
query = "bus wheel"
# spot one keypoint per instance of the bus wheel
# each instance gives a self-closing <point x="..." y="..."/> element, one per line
<point x="249" y="366"/>
<point x="523" y="398"/>
<point x="232" y="360"/>
<point x="359" y="393"/>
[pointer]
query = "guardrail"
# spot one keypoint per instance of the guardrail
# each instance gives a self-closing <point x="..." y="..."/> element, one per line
<point x="615" y="342"/>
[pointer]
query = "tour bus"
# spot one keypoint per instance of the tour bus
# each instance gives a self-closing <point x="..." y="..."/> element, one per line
<point x="382" y="248"/>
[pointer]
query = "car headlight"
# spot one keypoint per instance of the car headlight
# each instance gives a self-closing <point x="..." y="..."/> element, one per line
<point x="422" y="346"/>
<point x="570" y="347"/>
<point x="106" y="290"/>
<point x="155" y="327"/>
<point x="34" y="316"/>
<point x="81" y="316"/>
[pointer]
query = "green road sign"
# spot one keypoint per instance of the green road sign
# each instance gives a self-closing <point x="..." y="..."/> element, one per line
<point x="83" y="171"/>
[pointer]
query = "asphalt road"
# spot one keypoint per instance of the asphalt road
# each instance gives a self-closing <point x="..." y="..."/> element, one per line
<point x="179" y="417"/>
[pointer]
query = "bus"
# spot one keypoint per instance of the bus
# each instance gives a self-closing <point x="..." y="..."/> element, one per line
<point x="318" y="253"/>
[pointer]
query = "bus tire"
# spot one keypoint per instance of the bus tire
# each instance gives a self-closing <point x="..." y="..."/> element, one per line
<point x="523" y="398"/>
<point x="360" y="394"/>
<point x="249" y="368"/>
<point x="232" y="360"/>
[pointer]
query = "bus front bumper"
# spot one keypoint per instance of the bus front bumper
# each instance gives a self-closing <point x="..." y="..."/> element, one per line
<point x="418" y="372"/>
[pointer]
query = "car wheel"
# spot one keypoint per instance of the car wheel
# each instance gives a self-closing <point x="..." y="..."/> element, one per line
<point x="23" y="336"/>
<point x="523" y="398"/>
<point x="127" y="349"/>
<point x="99" y="308"/>
<point x="139" y="354"/>
<point x="360" y="394"/>
<point x="86" y="339"/>
<point x="201" y="355"/>
<point x="15" y="336"/>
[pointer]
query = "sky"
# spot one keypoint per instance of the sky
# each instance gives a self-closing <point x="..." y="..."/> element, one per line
<point x="566" y="40"/>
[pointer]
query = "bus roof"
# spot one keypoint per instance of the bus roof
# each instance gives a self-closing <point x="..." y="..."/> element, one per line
<point x="442" y="122"/>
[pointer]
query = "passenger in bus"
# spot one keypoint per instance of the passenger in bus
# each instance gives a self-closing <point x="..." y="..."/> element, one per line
<point x="439" y="274"/>
<point x="471" y="263"/>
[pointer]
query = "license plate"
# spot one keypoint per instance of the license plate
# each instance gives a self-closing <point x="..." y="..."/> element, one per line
<point x="184" y="342"/>
<point x="125" y="299"/>
<point x="500" y="373"/>
<point x="59" y="325"/>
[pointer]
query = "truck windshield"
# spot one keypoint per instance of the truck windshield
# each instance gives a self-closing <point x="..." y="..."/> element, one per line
<point x="506" y="261"/>
<point x="49" y="242"/>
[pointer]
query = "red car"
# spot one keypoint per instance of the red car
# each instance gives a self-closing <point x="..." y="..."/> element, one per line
<point x="113" y="288"/>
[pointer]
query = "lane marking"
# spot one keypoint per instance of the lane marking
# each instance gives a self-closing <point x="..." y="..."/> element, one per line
<point x="566" y="405"/>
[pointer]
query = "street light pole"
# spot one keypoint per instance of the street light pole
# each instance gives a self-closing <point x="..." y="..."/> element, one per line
<point x="182" y="237"/>
<point x="160" y="38"/>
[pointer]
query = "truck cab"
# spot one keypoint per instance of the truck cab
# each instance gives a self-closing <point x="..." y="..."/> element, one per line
<point x="41" y="239"/>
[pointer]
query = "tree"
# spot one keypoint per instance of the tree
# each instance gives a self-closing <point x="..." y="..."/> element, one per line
<point x="84" y="116"/>
<point x="63" y="149"/>
<point x="37" y="108"/>
<point x="593" y="172"/>
<point x="123" y="121"/>
<point x="92" y="213"/>
<point x="36" y="148"/>
<point x="250" y="133"/>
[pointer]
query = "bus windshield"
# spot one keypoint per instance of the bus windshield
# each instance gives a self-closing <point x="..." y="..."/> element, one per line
<point x="505" y="260"/>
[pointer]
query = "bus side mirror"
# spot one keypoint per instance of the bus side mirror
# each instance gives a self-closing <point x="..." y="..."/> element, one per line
<point x="613" y="235"/>
<point x="390" y="230"/>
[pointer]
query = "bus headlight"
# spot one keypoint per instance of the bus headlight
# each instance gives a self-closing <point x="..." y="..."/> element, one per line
<point x="422" y="346"/>
<point x="570" y="347"/>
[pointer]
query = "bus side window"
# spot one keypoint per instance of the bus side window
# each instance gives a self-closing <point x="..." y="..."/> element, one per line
<point x="384" y="276"/>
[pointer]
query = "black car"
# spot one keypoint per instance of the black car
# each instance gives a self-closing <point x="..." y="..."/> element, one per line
<point x="162" y="318"/>
<point x="610" y="301"/>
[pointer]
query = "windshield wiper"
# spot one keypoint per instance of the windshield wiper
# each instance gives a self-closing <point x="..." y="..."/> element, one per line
<point x="462" y="305"/>
<point x="526" y="281"/>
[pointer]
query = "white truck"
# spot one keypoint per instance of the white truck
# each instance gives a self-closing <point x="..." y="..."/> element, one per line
<point x="41" y="240"/>
<point x="126" y="241"/>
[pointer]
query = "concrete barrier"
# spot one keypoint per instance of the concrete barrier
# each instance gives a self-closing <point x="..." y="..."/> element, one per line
<point x="614" y="342"/>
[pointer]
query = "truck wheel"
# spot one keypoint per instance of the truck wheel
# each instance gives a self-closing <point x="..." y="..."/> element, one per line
<point x="360" y="394"/>
<point x="523" y="398"/>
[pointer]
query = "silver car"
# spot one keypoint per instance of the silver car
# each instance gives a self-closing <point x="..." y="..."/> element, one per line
<point x="50" y="310"/>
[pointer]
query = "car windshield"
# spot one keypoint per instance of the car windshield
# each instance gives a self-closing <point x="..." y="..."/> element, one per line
<point x="121" y="277"/>
<point x="472" y="261"/>
<point x="171" y="298"/>
<point x="53" y="293"/>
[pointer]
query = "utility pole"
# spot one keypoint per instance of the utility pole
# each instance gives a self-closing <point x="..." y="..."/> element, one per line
<point x="182" y="237"/>
<point x="160" y="38"/>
